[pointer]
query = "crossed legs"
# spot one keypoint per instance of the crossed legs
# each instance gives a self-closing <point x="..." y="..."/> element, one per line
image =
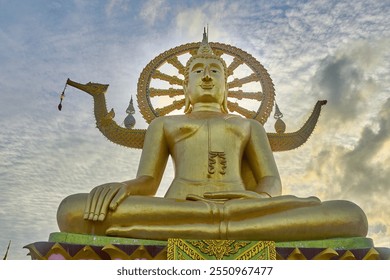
<point x="280" y="218"/>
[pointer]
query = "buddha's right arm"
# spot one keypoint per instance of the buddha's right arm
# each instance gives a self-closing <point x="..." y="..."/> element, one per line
<point x="142" y="185"/>
<point x="154" y="157"/>
<point x="151" y="168"/>
<point x="152" y="164"/>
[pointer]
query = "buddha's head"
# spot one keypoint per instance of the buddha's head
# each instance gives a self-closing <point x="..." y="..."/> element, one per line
<point x="205" y="78"/>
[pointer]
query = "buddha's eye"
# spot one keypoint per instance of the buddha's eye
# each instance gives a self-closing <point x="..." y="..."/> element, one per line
<point x="198" y="71"/>
<point x="214" y="71"/>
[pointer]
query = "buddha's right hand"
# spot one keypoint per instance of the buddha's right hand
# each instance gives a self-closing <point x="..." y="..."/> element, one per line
<point x="102" y="199"/>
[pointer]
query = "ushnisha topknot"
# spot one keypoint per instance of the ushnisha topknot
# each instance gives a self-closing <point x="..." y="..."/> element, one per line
<point x="204" y="51"/>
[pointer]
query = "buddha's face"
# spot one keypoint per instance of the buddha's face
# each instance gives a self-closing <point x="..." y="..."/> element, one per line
<point x="206" y="81"/>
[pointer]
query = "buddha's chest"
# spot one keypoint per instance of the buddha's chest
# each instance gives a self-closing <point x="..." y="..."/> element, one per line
<point x="215" y="145"/>
<point x="214" y="132"/>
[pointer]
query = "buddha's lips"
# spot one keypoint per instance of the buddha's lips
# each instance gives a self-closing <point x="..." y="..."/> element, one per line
<point x="206" y="86"/>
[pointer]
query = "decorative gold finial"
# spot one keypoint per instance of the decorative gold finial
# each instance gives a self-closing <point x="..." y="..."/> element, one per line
<point x="204" y="46"/>
<point x="129" y="121"/>
<point x="280" y="126"/>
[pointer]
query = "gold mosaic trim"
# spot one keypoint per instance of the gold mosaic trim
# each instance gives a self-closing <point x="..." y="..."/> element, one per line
<point x="179" y="249"/>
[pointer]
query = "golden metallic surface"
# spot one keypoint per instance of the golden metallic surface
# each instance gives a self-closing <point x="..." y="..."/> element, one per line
<point x="180" y="249"/>
<point x="226" y="183"/>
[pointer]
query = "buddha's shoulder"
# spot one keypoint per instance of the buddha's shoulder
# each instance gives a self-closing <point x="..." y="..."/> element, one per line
<point x="194" y="119"/>
<point x="247" y="123"/>
<point x="173" y="119"/>
<point x="240" y="119"/>
<point x="234" y="117"/>
<point x="164" y="121"/>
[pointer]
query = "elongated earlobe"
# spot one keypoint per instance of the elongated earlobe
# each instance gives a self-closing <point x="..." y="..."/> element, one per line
<point x="224" y="104"/>
<point x="187" y="103"/>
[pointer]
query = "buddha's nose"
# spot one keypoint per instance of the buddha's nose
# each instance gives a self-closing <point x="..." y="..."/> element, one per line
<point x="206" y="74"/>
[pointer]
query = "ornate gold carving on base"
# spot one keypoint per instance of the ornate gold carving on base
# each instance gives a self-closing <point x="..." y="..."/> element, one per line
<point x="179" y="249"/>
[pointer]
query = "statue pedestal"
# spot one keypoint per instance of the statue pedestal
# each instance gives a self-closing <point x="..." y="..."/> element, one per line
<point x="180" y="249"/>
<point x="67" y="246"/>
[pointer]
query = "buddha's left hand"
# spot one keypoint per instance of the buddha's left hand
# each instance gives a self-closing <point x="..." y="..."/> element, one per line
<point x="228" y="195"/>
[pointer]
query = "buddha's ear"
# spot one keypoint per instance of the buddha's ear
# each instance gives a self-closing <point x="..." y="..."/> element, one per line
<point x="187" y="103"/>
<point x="224" y="104"/>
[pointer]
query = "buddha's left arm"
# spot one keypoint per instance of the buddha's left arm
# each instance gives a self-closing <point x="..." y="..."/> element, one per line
<point x="262" y="162"/>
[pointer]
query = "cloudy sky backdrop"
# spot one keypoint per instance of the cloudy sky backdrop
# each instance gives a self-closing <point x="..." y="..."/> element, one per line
<point x="333" y="50"/>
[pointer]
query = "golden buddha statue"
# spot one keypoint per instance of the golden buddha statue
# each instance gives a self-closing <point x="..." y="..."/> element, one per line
<point x="209" y="197"/>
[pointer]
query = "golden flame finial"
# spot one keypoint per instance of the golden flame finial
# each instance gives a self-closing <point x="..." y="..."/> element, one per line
<point x="204" y="46"/>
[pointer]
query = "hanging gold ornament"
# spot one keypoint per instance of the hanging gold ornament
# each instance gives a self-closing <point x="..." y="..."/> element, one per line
<point x="280" y="126"/>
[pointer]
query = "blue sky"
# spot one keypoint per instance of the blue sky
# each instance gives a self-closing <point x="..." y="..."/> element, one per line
<point x="334" y="50"/>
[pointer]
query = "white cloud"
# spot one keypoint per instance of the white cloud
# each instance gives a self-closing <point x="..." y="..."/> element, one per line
<point x="114" y="5"/>
<point x="153" y="11"/>
<point x="191" y="21"/>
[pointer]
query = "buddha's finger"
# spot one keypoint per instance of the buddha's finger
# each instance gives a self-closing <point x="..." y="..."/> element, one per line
<point x="118" y="198"/>
<point x="107" y="200"/>
<point x="94" y="200"/>
<point x="87" y="208"/>
<point x="100" y="202"/>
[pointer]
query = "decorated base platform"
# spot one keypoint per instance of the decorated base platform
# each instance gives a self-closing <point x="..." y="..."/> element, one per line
<point x="66" y="246"/>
